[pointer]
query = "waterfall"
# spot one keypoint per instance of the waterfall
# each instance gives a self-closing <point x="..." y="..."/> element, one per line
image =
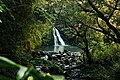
<point x="57" y="38"/>
<point x="59" y="45"/>
<point x="58" y="41"/>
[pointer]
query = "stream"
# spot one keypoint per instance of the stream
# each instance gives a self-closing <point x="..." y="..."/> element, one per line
<point x="67" y="57"/>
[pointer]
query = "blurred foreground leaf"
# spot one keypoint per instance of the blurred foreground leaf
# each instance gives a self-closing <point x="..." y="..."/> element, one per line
<point x="24" y="73"/>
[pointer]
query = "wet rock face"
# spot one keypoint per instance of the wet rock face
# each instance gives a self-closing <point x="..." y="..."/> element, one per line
<point x="64" y="60"/>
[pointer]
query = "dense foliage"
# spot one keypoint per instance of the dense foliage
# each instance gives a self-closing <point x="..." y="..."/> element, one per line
<point x="23" y="28"/>
<point x="22" y="73"/>
<point x="87" y="23"/>
<point x="93" y="25"/>
<point x="20" y="28"/>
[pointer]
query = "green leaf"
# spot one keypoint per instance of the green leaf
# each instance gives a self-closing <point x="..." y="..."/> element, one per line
<point x="23" y="72"/>
<point x="1" y="9"/>
<point x="58" y="77"/>
<point x="0" y="21"/>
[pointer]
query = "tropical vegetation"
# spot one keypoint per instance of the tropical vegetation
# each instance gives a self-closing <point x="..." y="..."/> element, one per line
<point x="91" y="25"/>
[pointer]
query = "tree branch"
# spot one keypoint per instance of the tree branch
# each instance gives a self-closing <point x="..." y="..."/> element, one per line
<point x="101" y="15"/>
<point x="110" y="6"/>
<point x="102" y="31"/>
<point x="106" y="32"/>
<point x="91" y="27"/>
<point x="113" y="10"/>
<point x="85" y="9"/>
<point x="76" y="30"/>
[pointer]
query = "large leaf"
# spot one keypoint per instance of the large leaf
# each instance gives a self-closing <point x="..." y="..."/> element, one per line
<point x="23" y="71"/>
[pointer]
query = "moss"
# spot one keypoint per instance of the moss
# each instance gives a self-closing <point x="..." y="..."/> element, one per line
<point x="20" y="32"/>
<point x="19" y="27"/>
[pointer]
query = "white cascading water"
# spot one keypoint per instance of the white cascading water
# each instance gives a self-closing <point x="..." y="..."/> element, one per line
<point x="57" y="37"/>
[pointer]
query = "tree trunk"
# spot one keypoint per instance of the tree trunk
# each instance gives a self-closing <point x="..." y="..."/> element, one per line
<point x="88" y="55"/>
